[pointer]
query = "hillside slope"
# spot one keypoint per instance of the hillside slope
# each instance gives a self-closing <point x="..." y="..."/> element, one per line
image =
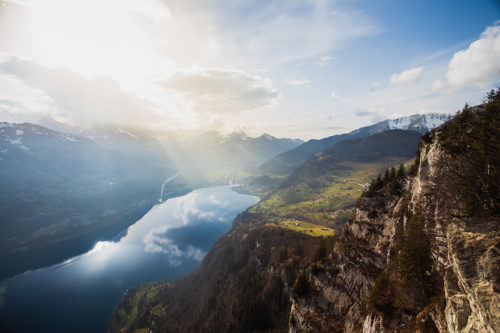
<point x="325" y="188"/>
<point x="287" y="162"/>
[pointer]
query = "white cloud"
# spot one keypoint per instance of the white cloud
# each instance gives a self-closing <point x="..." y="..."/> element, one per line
<point x="125" y="40"/>
<point x="277" y="31"/>
<point x="79" y="100"/>
<point x="217" y="202"/>
<point x="223" y="91"/>
<point x="407" y="76"/>
<point x="155" y="241"/>
<point x="152" y="9"/>
<point x="375" y="85"/>
<point x="324" y="61"/>
<point x="478" y="65"/>
<point x="152" y="39"/>
<point x="376" y="113"/>
<point x="438" y="85"/>
<point x="363" y="113"/>
<point x="239" y="34"/>
<point x="21" y="103"/>
<point x="189" y="212"/>
<point x="298" y="82"/>
<point x="334" y="96"/>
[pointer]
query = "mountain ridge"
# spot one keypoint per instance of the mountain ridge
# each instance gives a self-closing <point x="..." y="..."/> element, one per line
<point x="286" y="162"/>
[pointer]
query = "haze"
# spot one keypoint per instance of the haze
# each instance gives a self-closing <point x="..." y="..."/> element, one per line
<point x="305" y="69"/>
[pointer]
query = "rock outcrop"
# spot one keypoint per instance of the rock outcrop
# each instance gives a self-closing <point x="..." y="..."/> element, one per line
<point x="369" y="282"/>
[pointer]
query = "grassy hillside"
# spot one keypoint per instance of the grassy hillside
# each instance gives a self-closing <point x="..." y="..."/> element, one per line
<point x="324" y="190"/>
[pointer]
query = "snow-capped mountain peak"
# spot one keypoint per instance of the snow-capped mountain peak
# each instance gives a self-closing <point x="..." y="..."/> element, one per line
<point x="418" y="122"/>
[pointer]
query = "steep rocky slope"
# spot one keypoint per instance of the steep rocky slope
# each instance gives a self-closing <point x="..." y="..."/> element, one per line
<point x="421" y="252"/>
<point x="419" y="258"/>
<point x="244" y="284"/>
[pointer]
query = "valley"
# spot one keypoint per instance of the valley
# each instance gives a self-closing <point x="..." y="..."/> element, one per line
<point x="384" y="268"/>
<point x="219" y="166"/>
<point x="324" y="190"/>
<point x="305" y="203"/>
<point x="62" y="192"/>
<point x="300" y="219"/>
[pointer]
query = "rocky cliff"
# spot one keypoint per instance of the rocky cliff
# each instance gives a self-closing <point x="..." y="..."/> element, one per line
<point x="421" y="252"/>
<point x="422" y="257"/>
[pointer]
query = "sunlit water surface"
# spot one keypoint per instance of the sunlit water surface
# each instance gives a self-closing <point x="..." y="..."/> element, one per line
<point x="79" y="295"/>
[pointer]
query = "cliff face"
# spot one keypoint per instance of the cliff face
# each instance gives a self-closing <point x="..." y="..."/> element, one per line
<point x="409" y="261"/>
<point x="421" y="253"/>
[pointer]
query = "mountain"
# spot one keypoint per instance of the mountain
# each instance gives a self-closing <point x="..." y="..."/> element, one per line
<point x="255" y="151"/>
<point x="285" y="163"/>
<point x="201" y="156"/>
<point x="323" y="191"/>
<point x="418" y="254"/>
<point x="237" y="150"/>
<point x="62" y="192"/>
<point x="129" y="142"/>
<point x="370" y="155"/>
<point x="316" y="201"/>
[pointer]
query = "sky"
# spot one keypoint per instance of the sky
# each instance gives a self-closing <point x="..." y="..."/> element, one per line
<point x="291" y="68"/>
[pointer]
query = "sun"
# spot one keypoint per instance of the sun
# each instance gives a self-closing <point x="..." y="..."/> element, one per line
<point x="113" y="38"/>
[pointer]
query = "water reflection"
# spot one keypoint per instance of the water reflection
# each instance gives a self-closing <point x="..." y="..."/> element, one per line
<point x="79" y="294"/>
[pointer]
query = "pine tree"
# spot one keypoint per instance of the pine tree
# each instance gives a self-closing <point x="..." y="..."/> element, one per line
<point x="378" y="183"/>
<point x="473" y="142"/>
<point x="392" y="174"/>
<point x="401" y="171"/>
<point x="414" y="258"/>
<point x="386" y="176"/>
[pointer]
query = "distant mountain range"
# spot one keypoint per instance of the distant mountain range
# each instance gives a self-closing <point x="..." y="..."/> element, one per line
<point x="197" y="154"/>
<point x="287" y="162"/>
<point x="129" y="142"/>
<point x="237" y="150"/>
<point x="61" y="192"/>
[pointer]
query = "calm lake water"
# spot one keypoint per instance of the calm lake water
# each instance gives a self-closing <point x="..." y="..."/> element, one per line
<point x="79" y="295"/>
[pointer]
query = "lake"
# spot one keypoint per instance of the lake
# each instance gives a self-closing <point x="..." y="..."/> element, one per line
<point x="80" y="294"/>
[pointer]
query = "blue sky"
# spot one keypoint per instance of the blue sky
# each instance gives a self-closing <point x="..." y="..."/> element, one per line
<point x="292" y="68"/>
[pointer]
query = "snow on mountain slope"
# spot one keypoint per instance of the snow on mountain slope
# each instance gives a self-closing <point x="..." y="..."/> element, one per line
<point x="418" y="122"/>
<point x="26" y="136"/>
